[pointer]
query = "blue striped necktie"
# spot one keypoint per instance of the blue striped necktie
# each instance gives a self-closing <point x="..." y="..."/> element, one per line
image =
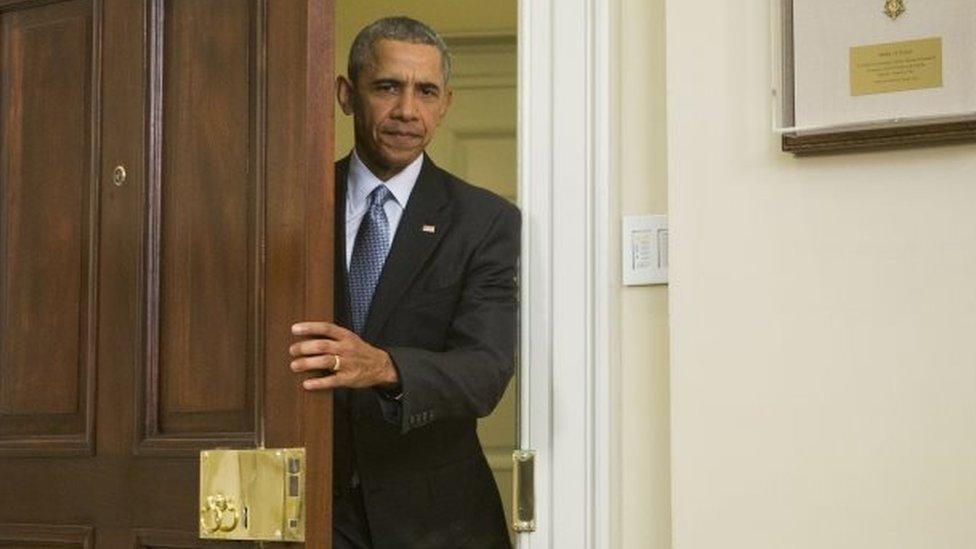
<point x="368" y="255"/>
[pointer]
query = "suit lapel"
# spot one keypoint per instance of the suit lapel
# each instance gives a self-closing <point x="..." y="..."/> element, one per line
<point x="424" y="223"/>
<point x="342" y="312"/>
<point x="340" y="294"/>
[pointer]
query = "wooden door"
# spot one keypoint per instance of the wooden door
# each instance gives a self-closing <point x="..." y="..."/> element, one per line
<point x="146" y="317"/>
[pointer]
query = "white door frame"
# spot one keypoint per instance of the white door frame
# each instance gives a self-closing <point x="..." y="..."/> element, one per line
<point x="569" y="291"/>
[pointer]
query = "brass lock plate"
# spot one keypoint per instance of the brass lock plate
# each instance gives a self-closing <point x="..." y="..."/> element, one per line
<point x="256" y="495"/>
<point x="523" y="491"/>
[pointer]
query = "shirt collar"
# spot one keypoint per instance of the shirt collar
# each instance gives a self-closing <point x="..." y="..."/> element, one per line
<point x="362" y="181"/>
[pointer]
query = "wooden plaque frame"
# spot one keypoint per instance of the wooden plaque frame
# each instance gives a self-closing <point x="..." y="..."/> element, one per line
<point x="881" y="136"/>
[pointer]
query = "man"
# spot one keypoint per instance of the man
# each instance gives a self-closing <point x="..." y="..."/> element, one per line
<point x="426" y="311"/>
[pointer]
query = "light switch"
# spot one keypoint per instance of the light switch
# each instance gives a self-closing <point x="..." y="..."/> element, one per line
<point x="645" y="249"/>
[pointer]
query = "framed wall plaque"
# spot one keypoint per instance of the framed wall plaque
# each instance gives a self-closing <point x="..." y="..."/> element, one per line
<point x="873" y="73"/>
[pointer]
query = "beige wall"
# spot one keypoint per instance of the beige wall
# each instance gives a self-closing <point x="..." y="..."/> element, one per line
<point x="643" y="466"/>
<point x="823" y="318"/>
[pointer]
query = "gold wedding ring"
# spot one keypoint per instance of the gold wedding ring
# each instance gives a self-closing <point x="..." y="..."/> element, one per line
<point x="335" y="368"/>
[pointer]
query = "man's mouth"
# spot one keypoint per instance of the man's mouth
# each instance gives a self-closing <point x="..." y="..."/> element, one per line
<point x="395" y="133"/>
<point x="402" y="138"/>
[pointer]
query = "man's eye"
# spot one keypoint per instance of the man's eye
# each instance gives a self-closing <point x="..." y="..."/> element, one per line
<point x="429" y="92"/>
<point x="386" y="87"/>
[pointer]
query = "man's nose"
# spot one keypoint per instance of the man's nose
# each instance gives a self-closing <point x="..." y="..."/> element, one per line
<point x="406" y="107"/>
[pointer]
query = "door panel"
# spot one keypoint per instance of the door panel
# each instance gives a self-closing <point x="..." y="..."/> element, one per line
<point x="205" y="267"/>
<point x="172" y="290"/>
<point x="46" y="225"/>
<point x="208" y="217"/>
<point x="46" y="536"/>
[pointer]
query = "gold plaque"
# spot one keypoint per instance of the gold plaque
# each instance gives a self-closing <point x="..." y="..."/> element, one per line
<point x="896" y="67"/>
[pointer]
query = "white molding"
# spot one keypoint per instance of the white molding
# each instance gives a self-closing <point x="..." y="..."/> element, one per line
<point x="605" y="286"/>
<point x="569" y="291"/>
<point x="535" y="189"/>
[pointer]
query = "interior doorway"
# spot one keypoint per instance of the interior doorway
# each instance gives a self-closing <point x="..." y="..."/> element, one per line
<point x="477" y="140"/>
<point x="560" y="73"/>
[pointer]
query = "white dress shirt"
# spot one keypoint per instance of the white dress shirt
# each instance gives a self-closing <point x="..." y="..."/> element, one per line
<point x="361" y="182"/>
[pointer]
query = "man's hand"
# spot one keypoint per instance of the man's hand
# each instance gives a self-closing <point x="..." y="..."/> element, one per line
<point x="360" y="364"/>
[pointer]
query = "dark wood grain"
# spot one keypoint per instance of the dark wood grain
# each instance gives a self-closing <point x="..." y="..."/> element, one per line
<point x="40" y="536"/>
<point x="167" y="539"/>
<point x="300" y="182"/>
<point x="863" y="140"/>
<point x="207" y="213"/>
<point x="319" y="224"/>
<point x="205" y="264"/>
<point x="892" y="137"/>
<point x="21" y="5"/>
<point x="223" y="124"/>
<point x="48" y="228"/>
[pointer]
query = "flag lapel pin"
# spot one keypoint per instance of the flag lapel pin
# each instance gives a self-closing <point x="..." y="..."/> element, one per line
<point x="429" y="229"/>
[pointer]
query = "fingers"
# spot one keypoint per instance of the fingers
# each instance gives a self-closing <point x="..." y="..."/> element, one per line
<point x="316" y="347"/>
<point x="322" y="383"/>
<point x="339" y="379"/>
<point x="318" y="362"/>
<point x="321" y="353"/>
<point x="326" y="329"/>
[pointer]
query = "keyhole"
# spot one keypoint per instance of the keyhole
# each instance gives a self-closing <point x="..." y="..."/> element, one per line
<point x="118" y="176"/>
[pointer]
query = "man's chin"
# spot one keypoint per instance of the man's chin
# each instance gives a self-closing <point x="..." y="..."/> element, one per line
<point x="399" y="159"/>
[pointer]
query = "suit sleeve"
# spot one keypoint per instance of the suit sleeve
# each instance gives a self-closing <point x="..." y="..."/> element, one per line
<point x="468" y="378"/>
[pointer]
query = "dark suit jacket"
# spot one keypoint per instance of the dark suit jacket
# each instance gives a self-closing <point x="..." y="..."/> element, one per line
<point x="445" y="309"/>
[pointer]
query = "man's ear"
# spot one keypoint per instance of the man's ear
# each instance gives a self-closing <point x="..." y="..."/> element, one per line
<point x="344" y="93"/>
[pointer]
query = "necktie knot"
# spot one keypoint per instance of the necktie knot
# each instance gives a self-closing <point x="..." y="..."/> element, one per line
<point x="380" y="195"/>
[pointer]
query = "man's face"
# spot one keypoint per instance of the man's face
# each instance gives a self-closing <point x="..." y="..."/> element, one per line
<point x="397" y="102"/>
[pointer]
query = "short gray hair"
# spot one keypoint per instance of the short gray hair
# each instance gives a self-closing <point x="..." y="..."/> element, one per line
<point x="399" y="28"/>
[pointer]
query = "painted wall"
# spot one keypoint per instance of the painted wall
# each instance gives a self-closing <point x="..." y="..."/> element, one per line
<point x="642" y="468"/>
<point x="823" y="318"/>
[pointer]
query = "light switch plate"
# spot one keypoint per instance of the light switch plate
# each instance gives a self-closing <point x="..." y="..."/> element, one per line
<point x="645" y="249"/>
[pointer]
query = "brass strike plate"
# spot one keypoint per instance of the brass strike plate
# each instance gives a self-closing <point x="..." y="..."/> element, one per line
<point x="255" y="495"/>
<point x="523" y="491"/>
